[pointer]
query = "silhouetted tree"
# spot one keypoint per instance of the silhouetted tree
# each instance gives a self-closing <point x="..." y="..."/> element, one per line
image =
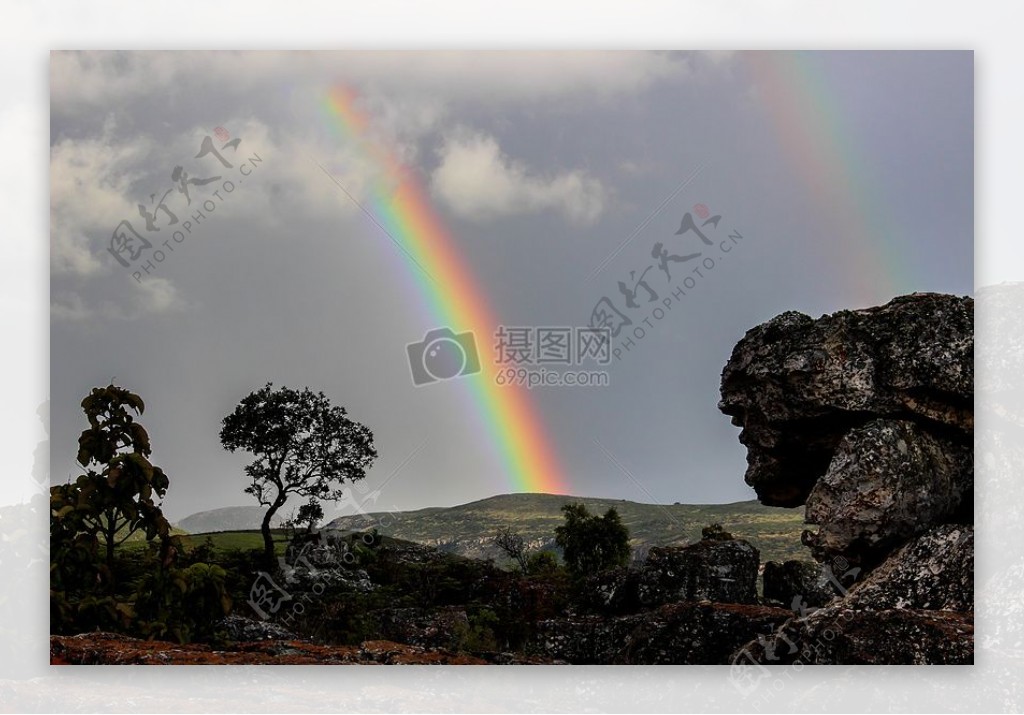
<point x="310" y="514"/>
<point x="115" y="498"/>
<point x="91" y="516"/>
<point x="513" y="545"/>
<point x="591" y="543"/>
<point x="303" y="445"/>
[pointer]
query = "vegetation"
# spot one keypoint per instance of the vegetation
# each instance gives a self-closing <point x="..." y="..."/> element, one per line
<point x="514" y="546"/>
<point x="148" y="594"/>
<point x="115" y="502"/>
<point x="468" y="529"/>
<point x="117" y="564"/>
<point x="310" y="514"/>
<point x="303" y="446"/>
<point x="592" y="543"/>
<point x="715" y="532"/>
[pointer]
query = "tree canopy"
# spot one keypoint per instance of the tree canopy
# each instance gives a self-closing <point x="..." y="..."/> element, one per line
<point x="115" y="497"/>
<point x="592" y="543"/>
<point x="302" y="444"/>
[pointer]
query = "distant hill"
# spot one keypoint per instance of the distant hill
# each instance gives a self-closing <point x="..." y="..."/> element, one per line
<point x="229" y="518"/>
<point x="467" y="529"/>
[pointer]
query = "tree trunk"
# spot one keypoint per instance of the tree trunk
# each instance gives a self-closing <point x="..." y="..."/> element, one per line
<point x="109" y="537"/>
<point x="108" y="532"/>
<point x="268" y="539"/>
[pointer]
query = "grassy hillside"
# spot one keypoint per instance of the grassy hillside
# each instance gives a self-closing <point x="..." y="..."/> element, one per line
<point x="467" y="529"/>
<point x="229" y="518"/>
<point x="243" y="539"/>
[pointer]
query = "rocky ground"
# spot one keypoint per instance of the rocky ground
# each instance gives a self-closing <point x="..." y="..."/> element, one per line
<point x="114" y="649"/>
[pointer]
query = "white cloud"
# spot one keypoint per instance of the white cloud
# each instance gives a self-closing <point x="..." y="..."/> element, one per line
<point x="150" y="296"/>
<point x="90" y="180"/>
<point x="478" y="182"/>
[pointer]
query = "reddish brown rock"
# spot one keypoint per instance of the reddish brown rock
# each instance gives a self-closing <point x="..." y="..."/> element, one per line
<point x="114" y="649"/>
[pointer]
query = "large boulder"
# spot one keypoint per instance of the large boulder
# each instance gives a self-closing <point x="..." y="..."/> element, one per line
<point x="674" y="634"/>
<point x="612" y="592"/>
<point x="842" y="636"/>
<point x="803" y="583"/>
<point x="797" y="385"/>
<point x="866" y="417"/>
<point x="719" y="570"/>
<point x="888" y="481"/>
<point x="724" y="571"/>
<point x="932" y="572"/>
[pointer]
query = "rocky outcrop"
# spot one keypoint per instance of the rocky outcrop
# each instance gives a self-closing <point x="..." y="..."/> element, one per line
<point x="427" y="628"/>
<point x="724" y="571"/>
<point x="888" y="481"/>
<point x="678" y="633"/>
<point x="934" y="571"/>
<point x="719" y="570"/>
<point x="867" y="418"/>
<point x="796" y="582"/>
<point x="843" y="636"/>
<point x="797" y="386"/>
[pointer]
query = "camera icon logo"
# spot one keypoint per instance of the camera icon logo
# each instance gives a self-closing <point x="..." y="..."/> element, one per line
<point x="442" y="355"/>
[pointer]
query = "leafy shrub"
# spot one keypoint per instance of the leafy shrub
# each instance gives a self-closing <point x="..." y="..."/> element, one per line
<point x="592" y="543"/>
<point x="715" y="532"/>
<point x="542" y="562"/>
<point x="184" y="603"/>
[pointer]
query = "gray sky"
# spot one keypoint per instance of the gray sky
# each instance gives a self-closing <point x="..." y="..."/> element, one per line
<point x="849" y="176"/>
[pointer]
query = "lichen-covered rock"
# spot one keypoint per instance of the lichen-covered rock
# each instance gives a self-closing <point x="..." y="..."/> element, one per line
<point x="720" y="570"/>
<point x="615" y="591"/>
<point x="678" y="633"/>
<point x="427" y="628"/>
<point x="724" y="571"/>
<point x="797" y="386"/>
<point x="889" y="480"/>
<point x="933" y="572"/>
<point x="842" y="636"/>
<point x="239" y="628"/>
<point x="802" y="582"/>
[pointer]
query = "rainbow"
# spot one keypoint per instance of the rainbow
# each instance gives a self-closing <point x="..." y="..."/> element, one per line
<point x="792" y="90"/>
<point x="400" y="206"/>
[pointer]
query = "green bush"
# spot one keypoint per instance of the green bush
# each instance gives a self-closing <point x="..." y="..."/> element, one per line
<point x="715" y="532"/>
<point x="183" y="603"/>
<point x="592" y="543"/>
<point x="542" y="562"/>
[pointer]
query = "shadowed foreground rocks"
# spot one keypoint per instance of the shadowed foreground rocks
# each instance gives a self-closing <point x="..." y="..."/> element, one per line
<point x="789" y="581"/>
<point x="677" y="633"/>
<point x="866" y="419"/>
<point x="836" y="635"/>
<point x="723" y="571"/>
<point x="114" y="649"/>
<point x="683" y="605"/>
